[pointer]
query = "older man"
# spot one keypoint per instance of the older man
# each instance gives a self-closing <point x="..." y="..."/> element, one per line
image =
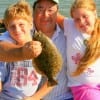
<point x="45" y="15"/>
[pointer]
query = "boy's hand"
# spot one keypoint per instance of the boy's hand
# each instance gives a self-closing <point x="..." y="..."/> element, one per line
<point x="32" y="48"/>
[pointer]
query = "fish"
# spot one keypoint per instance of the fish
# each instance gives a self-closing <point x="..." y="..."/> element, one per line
<point x="49" y="62"/>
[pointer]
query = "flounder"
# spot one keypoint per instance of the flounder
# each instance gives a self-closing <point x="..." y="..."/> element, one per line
<point x="49" y="62"/>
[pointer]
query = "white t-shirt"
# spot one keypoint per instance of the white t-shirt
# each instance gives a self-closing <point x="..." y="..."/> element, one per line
<point x="75" y="50"/>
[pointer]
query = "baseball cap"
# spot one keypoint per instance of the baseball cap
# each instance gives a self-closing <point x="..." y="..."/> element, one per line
<point x="36" y="1"/>
<point x="56" y="1"/>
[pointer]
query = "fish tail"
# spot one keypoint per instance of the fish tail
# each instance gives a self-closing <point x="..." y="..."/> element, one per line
<point x="52" y="82"/>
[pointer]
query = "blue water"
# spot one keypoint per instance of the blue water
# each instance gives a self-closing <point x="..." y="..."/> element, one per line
<point x="64" y="6"/>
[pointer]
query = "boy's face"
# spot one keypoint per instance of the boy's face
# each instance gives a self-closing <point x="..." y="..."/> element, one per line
<point x="19" y="30"/>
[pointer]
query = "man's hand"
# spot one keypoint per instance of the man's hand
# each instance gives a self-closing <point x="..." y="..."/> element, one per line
<point x="11" y="52"/>
<point x="32" y="48"/>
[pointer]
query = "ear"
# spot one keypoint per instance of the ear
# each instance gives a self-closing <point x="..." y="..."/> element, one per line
<point x="31" y="24"/>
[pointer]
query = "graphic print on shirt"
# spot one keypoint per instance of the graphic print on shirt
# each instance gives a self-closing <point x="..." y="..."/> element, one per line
<point x="76" y="58"/>
<point x="90" y="71"/>
<point x="22" y="75"/>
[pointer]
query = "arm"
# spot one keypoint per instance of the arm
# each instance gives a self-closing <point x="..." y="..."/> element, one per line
<point x="60" y="20"/>
<point x="40" y="93"/>
<point x="11" y="52"/>
<point x="0" y="86"/>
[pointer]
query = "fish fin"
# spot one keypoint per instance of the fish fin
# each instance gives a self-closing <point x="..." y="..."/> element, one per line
<point x="52" y="82"/>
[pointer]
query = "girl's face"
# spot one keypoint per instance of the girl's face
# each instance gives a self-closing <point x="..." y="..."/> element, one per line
<point x="19" y="30"/>
<point x="84" y="19"/>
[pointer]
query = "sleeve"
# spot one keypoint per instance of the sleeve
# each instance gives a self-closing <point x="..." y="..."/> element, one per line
<point x="68" y="24"/>
<point x="3" y="71"/>
<point x="6" y="37"/>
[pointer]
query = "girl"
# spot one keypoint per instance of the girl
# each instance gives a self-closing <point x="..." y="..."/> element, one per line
<point x="83" y="53"/>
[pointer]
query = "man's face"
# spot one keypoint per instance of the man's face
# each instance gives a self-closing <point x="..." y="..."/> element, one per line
<point x="45" y="15"/>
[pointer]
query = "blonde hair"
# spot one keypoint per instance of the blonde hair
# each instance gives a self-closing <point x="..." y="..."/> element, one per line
<point x="92" y="51"/>
<point x="21" y="9"/>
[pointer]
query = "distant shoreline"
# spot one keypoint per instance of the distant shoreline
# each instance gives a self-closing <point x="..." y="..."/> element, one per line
<point x="64" y="6"/>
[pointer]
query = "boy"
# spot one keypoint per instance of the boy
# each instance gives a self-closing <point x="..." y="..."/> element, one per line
<point x="20" y="80"/>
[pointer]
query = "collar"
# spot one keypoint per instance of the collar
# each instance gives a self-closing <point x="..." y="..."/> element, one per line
<point x="56" y="32"/>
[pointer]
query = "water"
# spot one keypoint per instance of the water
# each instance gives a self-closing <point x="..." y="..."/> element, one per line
<point x="64" y="6"/>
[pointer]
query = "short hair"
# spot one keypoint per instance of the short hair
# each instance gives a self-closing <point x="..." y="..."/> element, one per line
<point x="21" y="9"/>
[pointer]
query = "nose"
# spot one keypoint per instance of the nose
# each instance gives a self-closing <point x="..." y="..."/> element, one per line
<point x="46" y="13"/>
<point x="17" y="29"/>
<point x="82" y="20"/>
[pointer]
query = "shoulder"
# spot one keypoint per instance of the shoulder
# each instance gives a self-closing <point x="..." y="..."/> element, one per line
<point x="69" y="25"/>
<point x="59" y="33"/>
<point x="6" y="37"/>
<point x="68" y="21"/>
